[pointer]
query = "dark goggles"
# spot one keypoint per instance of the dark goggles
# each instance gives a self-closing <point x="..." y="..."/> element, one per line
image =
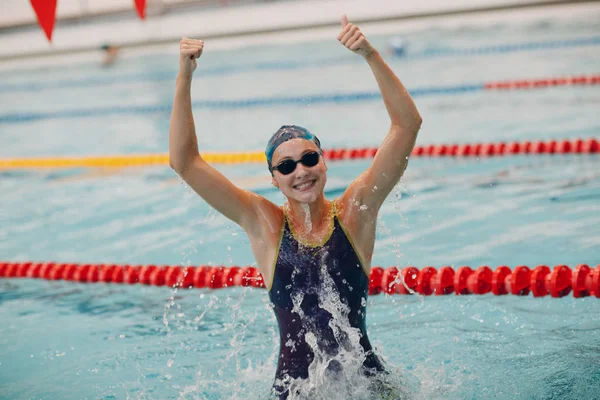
<point x="288" y="166"/>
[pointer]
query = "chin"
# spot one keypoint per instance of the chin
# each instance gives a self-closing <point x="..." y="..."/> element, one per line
<point x="307" y="198"/>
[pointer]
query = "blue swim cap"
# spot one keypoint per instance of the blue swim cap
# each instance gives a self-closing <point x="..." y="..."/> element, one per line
<point x="285" y="133"/>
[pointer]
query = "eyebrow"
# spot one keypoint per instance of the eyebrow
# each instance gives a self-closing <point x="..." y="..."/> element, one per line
<point x="301" y="154"/>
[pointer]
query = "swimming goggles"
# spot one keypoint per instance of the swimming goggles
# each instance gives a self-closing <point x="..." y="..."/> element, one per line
<point x="288" y="166"/>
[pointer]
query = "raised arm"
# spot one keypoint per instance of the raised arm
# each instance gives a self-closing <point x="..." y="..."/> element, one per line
<point x="373" y="186"/>
<point x="241" y="206"/>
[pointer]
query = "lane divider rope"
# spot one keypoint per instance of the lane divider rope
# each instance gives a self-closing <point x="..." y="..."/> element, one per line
<point x="399" y="54"/>
<point x="552" y="147"/>
<point x="337" y="98"/>
<point x="541" y="281"/>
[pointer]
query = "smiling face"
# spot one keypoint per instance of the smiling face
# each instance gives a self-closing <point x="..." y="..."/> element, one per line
<point x="304" y="184"/>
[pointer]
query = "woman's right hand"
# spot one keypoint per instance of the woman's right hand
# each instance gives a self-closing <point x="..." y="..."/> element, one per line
<point x="189" y="51"/>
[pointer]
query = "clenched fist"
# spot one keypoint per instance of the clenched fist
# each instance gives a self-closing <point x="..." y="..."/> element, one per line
<point x="189" y="51"/>
<point x="351" y="37"/>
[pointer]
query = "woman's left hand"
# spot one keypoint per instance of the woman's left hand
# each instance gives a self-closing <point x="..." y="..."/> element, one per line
<point x="351" y="37"/>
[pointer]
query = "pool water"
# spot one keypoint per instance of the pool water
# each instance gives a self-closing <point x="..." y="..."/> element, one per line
<point x="62" y="340"/>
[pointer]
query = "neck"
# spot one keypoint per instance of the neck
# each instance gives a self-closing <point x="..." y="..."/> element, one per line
<point x="309" y="216"/>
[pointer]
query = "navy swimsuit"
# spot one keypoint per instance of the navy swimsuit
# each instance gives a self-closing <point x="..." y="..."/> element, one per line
<point x="304" y="277"/>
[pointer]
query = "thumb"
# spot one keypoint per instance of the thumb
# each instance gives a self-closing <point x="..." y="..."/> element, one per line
<point x="344" y="20"/>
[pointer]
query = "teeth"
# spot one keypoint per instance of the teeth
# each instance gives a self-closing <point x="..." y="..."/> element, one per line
<point x="304" y="185"/>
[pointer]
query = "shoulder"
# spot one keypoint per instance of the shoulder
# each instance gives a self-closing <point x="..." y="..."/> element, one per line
<point x="352" y="209"/>
<point x="343" y="208"/>
<point x="268" y="217"/>
<point x="351" y="201"/>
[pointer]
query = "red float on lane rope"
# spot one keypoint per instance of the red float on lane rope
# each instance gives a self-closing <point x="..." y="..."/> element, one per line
<point x="480" y="281"/>
<point x="460" y="280"/>
<point x="541" y="83"/>
<point x="408" y="280"/>
<point x="541" y="281"/>
<point x="579" y="146"/>
<point x="443" y="282"/>
<point x="538" y="281"/>
<point x="579" y="283"/>
<point x="424" y="281"/>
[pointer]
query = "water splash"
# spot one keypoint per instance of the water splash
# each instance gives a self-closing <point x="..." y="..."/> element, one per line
<point x="307" y="218"/>
<point x="339" y="375"/>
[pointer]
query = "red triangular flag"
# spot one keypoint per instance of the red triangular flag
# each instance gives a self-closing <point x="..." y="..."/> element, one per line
<point x="45" y="10"/>
<point x="140" y="6"/>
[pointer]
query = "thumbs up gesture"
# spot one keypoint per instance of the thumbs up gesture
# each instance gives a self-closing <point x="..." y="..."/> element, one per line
<point x="351" y="37"/>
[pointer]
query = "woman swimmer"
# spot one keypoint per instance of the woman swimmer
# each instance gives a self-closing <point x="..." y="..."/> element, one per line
<point x="314" y="254"/>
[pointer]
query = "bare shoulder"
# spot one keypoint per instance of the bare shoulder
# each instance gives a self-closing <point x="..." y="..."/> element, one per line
<point x="358" y="221"/>
<point x="267" y="217"/>
<point x="265" y="233"/>
<point x="351" y="207"/>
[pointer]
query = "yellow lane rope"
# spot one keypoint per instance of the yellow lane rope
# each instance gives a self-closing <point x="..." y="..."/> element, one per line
<point x="125" y="160"/>
<point x="566" y="146"/>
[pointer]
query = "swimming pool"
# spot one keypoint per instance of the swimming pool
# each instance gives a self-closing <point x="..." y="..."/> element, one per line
<point x="70" y="341"/>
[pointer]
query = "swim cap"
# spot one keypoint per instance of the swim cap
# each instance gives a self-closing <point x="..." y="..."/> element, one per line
<point x="285" y="133"/>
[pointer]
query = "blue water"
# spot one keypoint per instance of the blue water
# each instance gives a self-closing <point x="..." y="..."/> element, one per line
<point x="71" y="341"/>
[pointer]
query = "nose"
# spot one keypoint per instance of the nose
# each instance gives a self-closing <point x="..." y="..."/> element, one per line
<point x="301" y="170"/>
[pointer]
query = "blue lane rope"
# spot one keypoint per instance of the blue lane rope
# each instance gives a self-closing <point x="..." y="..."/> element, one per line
<point x="511" y="47"/>
<point x="286" y="65"/>
<point x="233" y="104"/>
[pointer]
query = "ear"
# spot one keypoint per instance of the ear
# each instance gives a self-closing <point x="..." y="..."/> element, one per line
<point x="274" y="182"/>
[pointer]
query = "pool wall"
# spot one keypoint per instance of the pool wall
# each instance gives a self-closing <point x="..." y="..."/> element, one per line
<point x="239" y="24"/>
